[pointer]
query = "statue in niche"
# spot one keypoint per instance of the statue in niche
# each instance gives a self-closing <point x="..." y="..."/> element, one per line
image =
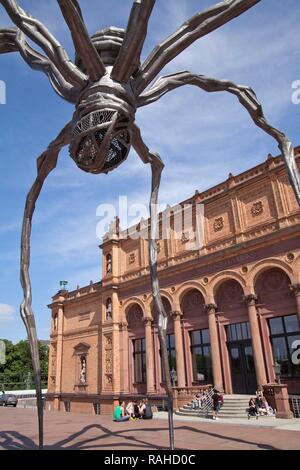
<point x="82" y="376"/>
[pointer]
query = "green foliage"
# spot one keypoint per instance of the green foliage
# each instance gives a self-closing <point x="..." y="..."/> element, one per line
<point x="17" y="372"/>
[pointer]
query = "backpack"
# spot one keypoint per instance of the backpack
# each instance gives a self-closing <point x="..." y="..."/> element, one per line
<point x="148" y="411"/>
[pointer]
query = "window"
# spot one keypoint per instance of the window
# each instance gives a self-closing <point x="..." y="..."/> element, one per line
<point x="139" y="360"/>
<point x="201" y="355"/>
<point x="171" y="354"/>
<point x="238" y="331"/>
<point x="283" y="332"/>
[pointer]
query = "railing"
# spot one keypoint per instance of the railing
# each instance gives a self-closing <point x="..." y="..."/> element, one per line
<point x="295" y="402"/>
<point x="206" y="404"/>
<point x="184" y="395"/>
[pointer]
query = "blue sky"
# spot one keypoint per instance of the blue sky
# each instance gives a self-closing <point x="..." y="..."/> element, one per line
<point x="201" y="137"/>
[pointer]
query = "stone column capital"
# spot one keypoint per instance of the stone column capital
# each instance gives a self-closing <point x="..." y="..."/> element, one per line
<point x="210" y="308"/>
<point x="176" y="315"/>
<point x="296" y="289"/>
<point x="148" y="321"/>
<point x="123" y="326"/>
<point x="250" y="299"/>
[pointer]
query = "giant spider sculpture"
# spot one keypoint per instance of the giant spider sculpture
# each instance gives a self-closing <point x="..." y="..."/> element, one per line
<point x="107" y="83"/>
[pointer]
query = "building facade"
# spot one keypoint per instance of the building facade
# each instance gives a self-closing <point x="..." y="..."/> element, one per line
<point x="230" y="286"/>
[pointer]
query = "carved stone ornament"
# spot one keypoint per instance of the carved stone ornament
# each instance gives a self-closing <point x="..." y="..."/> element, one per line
<point x="257" y="208"/>
<point x="185" y="237"/>
<point x="218" y="224"/>
<point x="132" y="258"/>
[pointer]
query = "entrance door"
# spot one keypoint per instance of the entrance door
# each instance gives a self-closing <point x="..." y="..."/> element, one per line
<point x="242" y="367"/>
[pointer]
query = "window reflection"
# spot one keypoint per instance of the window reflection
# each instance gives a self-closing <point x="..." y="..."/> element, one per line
<point x="201" y="355"/>
<point x="284" y="332"/>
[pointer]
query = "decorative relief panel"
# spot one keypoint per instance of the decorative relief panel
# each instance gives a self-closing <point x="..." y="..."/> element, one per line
<point x="258" y="204"/>
<point x="131" y="254"/>
<point x="218" y="224"/>
<point x="108" y="360"/>
<point x="131" y="258"/>
<point x="53" y="362"/>
<point x="257" y="208"/>
<point x="192" y="303"/>
<point x="135" y="317"/>
<point x="229" y="296"/>
<point x="185" y="237"/>
<point x="273" y="286"/>
<point x="219" y="220"/>
<point x="288" y="194"/>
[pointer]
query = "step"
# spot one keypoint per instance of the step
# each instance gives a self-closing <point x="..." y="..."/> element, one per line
<point x="236" y="396"/>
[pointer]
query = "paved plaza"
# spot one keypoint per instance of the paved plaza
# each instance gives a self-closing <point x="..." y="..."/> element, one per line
<point x="18" y="430"/>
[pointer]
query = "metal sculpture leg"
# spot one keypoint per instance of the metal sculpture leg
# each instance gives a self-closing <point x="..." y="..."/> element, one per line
<point x="156" y="169"/>
<point x="246" y="97"/>
<point x="45" y="164"/>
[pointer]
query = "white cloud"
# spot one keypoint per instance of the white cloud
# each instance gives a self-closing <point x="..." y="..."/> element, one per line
<point x="6" y="312"/>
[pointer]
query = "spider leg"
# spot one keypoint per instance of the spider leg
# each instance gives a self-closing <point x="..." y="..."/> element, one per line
<point x="13" y="40"/>
<point x="38" y="33"/>
<point x="196" y="27"/>
<point x="156" y="169"/>
<point x="7" y="40"/>
<point x="129" y="55"/>
<point x="246" y="97"/>
<point x="45" y="164"/>
<point x="81" y="39"/>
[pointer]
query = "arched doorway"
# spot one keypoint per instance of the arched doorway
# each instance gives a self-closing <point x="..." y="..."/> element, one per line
<point x="137" y="349"/>
<point x="279" y="319"/>
<point x="197" y="340"/>
<point x="230" y="301"/>
<point x="170" y="341"/>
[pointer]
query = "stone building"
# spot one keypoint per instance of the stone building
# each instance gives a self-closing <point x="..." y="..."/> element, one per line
<point x="233" y="300"/>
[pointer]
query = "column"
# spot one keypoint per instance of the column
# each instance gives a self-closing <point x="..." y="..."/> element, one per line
<point x="124" y="369"/>
<point x="296" y="289"/>
<point x="115" y="343"/>
<point x="176" y="315"/>
<point x="214" y="346"/>
<point x="149" y="355"/>
<point x="256" y="340"/>
<point x="59" y="343"/>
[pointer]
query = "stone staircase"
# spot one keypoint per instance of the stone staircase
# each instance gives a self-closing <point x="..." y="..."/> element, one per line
<point x="234" y="407"/>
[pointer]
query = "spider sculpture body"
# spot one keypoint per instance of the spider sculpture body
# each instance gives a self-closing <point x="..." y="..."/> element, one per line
<point x="107" y="83"/>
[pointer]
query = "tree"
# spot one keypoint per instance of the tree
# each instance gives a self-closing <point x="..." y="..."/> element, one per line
<point x="17" y="372"/>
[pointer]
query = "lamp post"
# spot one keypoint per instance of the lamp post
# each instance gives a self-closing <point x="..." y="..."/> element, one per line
<point x="277" y="370"/>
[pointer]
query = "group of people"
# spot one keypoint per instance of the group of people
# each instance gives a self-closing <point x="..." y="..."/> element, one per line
<point x="200" y="401"/>
<point x="258" y="406"/>
<point x="133" y="410"/>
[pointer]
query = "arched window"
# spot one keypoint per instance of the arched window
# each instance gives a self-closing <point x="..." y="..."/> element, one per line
<point x="108" y="264"/>
<point x="109" y="309"/>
